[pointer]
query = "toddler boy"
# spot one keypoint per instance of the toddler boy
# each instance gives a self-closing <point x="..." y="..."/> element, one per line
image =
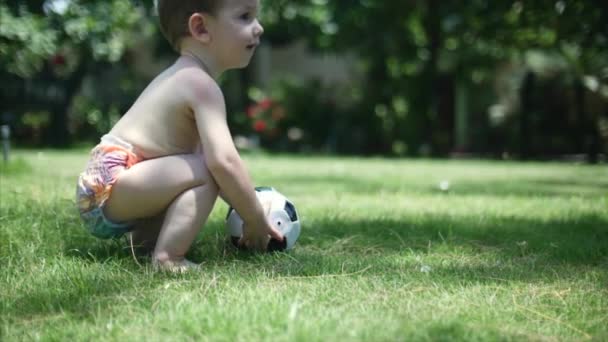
<point x="171" y="154"/>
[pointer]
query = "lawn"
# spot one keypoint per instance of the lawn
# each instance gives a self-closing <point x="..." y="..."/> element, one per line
<point x="511" y="251"/>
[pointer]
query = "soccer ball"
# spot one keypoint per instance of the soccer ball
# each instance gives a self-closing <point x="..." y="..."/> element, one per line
<point x="282" y="214"/>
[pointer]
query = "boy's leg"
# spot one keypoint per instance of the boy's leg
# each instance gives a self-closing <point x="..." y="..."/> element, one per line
<point x="148" y="187"/>
<point x="182" y="185"/>
<point x="186" y="214"/>
<point x="145" y="233"/>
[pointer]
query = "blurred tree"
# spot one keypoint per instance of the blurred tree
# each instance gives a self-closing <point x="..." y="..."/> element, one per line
<point x="577" y="30"/>
<point x="420" y="59"/>
<point x="415" y="51"/>
<point x="47" y="48"/>
<point x="404" y="47"/>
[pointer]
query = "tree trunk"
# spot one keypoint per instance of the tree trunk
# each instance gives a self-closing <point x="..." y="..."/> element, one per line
<point x="526" y="96"/>
<point x="430" y="95"/>
<point x="579" y="108"/>
<point x="58" y="134"/>
<point x="588" y="137"/>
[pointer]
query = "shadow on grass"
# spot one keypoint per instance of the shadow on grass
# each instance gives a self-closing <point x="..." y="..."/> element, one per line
<point x="14" y="166"/>
<point x="582" y="240"/>
<point x="337" y="247"/>
<point x="92" y="250"/>
<point x="495" y="252"/>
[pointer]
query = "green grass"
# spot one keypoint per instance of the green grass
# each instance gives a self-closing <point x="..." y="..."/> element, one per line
<point x="513" y="251"/>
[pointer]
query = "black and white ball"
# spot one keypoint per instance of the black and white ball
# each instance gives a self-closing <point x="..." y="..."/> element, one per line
<point x="282" y="213"/>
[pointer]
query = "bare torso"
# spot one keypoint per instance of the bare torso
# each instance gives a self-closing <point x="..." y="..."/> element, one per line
<point x="160" y="123"/>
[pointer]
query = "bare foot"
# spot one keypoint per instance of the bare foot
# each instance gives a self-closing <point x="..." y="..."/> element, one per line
<point x="175" y="266"/>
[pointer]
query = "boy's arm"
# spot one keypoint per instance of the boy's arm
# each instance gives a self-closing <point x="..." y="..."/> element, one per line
<point x="199" y="150"/>
<point x="226" y="166"/>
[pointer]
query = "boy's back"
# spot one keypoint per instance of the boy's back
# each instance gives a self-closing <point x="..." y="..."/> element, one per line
<point x="160" y="122"/>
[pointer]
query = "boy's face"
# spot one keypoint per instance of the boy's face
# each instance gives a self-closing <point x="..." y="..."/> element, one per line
<point x="235" y="32"/>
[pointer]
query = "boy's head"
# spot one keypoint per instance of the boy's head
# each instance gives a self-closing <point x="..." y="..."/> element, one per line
<point x="174" y="16"/>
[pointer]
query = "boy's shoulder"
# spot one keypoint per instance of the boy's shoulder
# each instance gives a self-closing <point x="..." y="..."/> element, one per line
<point x="196" y="85"/>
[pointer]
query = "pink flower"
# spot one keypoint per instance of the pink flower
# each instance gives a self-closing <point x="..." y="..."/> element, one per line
<point x="252" y="111"/>
<point x="265" y="104"/>
<point x="58" y="60"/>
<point x="259" y="126"/>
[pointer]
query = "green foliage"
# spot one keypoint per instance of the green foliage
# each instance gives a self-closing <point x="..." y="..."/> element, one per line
<point x="100" y="29"/>
<point x="53" y="46"/>
<point x="410" y="52"/>
<point x="289" y="20"/>
<point x="106" y="28"/>
<point x="26" y="41"/>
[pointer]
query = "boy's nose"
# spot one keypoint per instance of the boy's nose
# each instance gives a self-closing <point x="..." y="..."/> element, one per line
<point x="258" y="29"/>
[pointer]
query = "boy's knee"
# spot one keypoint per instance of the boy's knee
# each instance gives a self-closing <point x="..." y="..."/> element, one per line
<point x="201" y="172"/>
<point x="197" y="198"/>
<point x="212" y="187"/>
<point x="209" y="182"/>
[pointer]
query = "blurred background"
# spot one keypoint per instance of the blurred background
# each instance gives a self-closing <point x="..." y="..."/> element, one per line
<point x="479" y="78"/>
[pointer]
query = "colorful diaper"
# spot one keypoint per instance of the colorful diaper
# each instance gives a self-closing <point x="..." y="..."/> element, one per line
<point x="107" y="160"/>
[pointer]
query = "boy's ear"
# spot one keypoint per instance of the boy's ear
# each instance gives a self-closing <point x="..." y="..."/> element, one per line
<point x="198" y="25"/>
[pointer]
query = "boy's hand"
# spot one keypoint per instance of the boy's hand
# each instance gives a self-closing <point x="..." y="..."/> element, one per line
<point x="257" y="237"/>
